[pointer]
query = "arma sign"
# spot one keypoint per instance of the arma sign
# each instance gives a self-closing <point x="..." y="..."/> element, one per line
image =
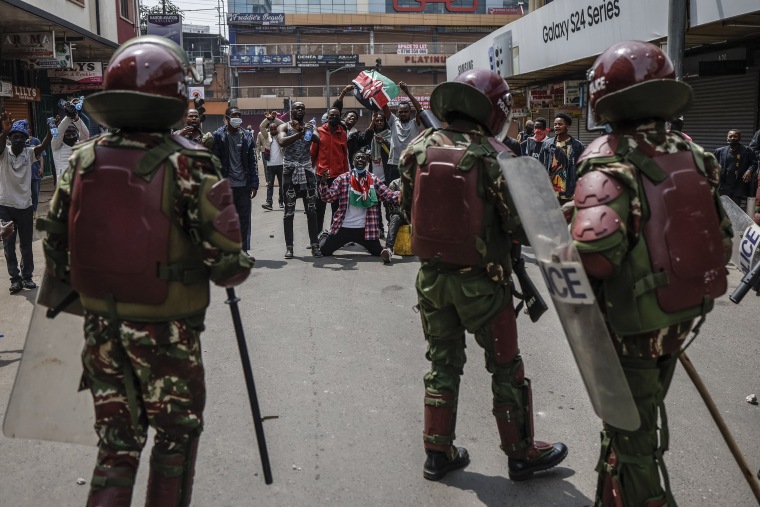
<point x="27" y="45"/>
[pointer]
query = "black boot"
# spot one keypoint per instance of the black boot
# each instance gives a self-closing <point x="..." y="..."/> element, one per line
<point x="438" y="464"/>
<point x="540" y="456"/>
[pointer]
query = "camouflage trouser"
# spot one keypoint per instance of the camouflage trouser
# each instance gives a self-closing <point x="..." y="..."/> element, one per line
<point x="631" y="467"/>
<point x="451" y="304"/>
<point x="143" y="374"/>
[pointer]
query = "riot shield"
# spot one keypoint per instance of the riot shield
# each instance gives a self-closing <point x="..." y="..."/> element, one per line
<point x="570" y="290"/>
<point x="45" y="403"/>
<point x="745" y="253"/>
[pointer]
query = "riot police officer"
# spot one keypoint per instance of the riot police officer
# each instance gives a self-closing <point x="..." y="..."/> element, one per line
<point x="654" y="238"/>
<point x="139" y="224"/>
<point x="455" y="197"/>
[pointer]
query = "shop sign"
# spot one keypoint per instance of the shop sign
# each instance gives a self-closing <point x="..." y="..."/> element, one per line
<point x="325" y="60"/>
<point x="412" y="49"/>
<point x="62" y="59"/>
<point x="573" y="92"/>
<point x="547" y="97"/>
<point x="241" y="60"/>
<point x="67" y="89"/>
<point x="424" y="59"/>
<point x="26" y="93"/>
<point x="166" y="25"/>
<point x="424" y="101"/>
<point x="514" y="11"/>
<point x="81" y="73"/>
<point x="247" y="18"/>
<point x="27" y="45"/>
<point x="6" y="89"/>
<point x="468" y="7"/>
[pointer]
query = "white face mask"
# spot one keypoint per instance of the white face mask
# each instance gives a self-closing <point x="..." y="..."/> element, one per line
<point x="236" y="122"/>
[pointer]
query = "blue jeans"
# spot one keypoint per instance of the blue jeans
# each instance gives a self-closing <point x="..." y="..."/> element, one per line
<point x="23" y="222"/>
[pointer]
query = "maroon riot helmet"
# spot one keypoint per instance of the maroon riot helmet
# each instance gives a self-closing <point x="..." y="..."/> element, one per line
<point x="635" y="80"/>
<point x="480" y="94"/>
<point x="144" y="86"/>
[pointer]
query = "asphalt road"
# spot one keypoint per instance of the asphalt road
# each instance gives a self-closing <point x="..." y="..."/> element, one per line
<point x="338" y="358"/>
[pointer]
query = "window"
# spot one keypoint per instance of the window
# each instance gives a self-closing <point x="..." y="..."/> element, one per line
<point x="125" y="9"/>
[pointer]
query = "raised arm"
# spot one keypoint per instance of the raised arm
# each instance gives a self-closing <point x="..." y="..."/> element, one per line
<point x="404" y="88"/>
<point x="6" y="120"/>
<point x="43" y="145"/>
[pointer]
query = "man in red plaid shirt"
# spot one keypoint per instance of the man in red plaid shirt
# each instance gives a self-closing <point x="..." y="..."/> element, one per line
<point x="358" y="218"/>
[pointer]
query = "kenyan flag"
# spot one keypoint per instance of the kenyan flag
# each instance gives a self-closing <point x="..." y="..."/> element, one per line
<point x="373" y="90"/>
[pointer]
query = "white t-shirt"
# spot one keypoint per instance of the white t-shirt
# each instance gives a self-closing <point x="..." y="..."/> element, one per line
<point x="275" y="153"/>
<point x="356" y="217"/>
<point x="401" y="135"/>
<point x="378" y="171"/>
<point x="16" y="178"/>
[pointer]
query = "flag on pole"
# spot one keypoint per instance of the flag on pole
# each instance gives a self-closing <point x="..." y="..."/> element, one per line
<point x="373" y="90"/>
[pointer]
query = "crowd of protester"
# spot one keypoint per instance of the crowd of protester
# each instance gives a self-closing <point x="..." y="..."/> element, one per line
<point x="317" y="164"/>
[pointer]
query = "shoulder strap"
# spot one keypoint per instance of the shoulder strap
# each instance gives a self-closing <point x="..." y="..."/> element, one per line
<point x="645" y="164"/>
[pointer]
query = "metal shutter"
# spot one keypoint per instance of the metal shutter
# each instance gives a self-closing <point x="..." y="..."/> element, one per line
<point x="720" y="104"/>
<point x="18" y="108"/>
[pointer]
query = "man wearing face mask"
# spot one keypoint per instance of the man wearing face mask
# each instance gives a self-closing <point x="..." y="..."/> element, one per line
<point x="329" y="154"/>
<point x="74" y="130"/>
<point x="532" y="145"/>
<point x="237" y="151"/>
<point x="357" y="219"/>
<point x="737" y="166"/>
<point x="525" y="134"/>
<point x="16" y="197"/>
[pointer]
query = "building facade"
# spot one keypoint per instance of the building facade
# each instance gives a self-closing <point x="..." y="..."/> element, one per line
<point x="310" y="50"/>
<point x="544" y="57"/>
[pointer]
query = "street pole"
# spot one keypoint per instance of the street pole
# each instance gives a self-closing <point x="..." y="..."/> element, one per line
<point x="329" y="73"/>
<point x="676" y="34"/>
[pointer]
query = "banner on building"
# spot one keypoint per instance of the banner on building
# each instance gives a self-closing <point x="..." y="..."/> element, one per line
<point x="83" y="73"/>
<point x="546" y="97"/>
<point x="326" y="60"/>
<point x="248" y="18"/>
<point x="166" y="25"/>
<point x="27" y="45"/>
<point x="62" y="59"/>
<point x="412" y="49"/>
<point x="242" y="60"/>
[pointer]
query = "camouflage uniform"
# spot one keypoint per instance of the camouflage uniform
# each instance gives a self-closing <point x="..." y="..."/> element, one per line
<point x="633" y="459"/>
<point x="474" y="298"/>
<point x="146" y="371"/>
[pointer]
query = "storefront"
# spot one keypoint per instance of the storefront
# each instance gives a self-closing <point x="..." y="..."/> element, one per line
<point x="556" y="44"/>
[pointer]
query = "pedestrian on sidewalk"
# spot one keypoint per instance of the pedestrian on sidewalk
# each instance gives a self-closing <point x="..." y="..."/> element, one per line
<point x="237" y="151"/>
<point x="16" y="164"/>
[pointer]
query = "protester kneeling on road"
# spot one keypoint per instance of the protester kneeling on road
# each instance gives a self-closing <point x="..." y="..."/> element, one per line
<point x="357" y="219"/>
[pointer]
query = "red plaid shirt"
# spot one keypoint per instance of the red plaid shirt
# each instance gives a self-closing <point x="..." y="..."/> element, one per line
<point x="340" y="190"/>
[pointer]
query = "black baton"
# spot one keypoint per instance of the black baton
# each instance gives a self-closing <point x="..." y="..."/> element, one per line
<point x="232" y="300"/>
<point x="65" y="302"/>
